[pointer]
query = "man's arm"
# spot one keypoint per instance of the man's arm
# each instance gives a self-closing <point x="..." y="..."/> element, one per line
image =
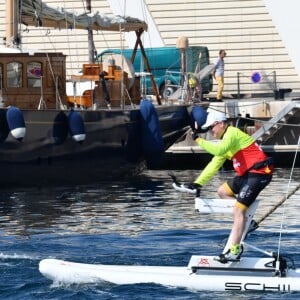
<point x="210" y="170"/>
<point x="216" y="63"/>
<point x="220" y="148"/>
<point x="214" y="73"/>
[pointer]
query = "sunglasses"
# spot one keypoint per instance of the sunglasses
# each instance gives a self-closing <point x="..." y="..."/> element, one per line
<point x="213" y="125"/>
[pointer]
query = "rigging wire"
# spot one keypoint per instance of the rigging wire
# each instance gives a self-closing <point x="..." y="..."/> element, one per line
<point x="284" y="207"/>
<point x="122" y="58"/>
<point x="121" y="33"/>
<point x="145" y="18"/>
<point x="19" y="35"/>
<point x="142" y="67"/>
<point x="70" y="54"/>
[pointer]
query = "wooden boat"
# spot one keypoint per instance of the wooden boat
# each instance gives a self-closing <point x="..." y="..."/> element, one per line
<point x="48" y="137"/>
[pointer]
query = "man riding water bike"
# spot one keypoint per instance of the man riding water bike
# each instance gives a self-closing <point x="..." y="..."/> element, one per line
<point x="252" y="166"/>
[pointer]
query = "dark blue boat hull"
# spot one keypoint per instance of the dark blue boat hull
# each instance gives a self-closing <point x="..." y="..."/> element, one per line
<point x="112" y="147"/>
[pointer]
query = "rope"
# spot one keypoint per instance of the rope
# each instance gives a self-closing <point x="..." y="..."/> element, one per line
<point x="283" y="213"/>
<point x="282" y="200"/>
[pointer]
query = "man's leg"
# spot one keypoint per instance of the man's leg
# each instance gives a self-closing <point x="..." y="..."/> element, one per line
<point x="247" y="187"/>
<point x="239" y="221"/>
<point x="225" y="192"/>
<point x="239" y="214"/>
<point x="220" y="81"/>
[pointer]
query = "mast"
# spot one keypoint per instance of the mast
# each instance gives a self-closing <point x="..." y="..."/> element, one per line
<point x="91" y="45"/>
<point x="13" y="38"/>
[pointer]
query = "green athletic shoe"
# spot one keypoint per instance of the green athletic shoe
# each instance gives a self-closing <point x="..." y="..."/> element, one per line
<point x="233" y="254"/>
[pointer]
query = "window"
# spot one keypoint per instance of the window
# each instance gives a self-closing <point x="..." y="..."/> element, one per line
<point x="34" y="74"/>
<point x="14" y="74"/>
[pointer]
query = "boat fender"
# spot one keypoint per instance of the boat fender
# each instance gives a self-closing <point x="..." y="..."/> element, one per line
<point x="16" y="123"/>
<point x="152" y="141"/>
<point x="198" y="119"/>
<point x="60" y="128"/>
<point x="76" y="126"/>
<point x="4" y="129"/>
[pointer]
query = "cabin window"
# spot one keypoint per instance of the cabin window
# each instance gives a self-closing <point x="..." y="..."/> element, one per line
<point x="34" y="74"/>
<point x="14" y="74"/>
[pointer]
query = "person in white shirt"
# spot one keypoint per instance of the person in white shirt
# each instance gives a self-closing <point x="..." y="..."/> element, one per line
<point x="218" y="73"/>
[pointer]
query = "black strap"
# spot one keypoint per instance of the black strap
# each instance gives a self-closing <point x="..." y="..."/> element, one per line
<point x="262" y="164"/>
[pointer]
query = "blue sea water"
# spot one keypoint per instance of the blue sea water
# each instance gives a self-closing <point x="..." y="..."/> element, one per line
<point x="140" y="221"/>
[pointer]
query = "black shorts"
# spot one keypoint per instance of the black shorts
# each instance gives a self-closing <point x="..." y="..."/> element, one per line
<point x="248" y="186"/>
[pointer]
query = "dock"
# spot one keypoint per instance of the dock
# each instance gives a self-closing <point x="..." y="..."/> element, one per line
<point x="274" y="124"/>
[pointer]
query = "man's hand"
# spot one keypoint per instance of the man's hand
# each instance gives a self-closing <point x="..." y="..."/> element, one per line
<point x="193" y="188"/>
<point x="195" y="135"/>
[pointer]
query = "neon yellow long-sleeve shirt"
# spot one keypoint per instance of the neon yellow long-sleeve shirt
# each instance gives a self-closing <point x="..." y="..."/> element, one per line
<point x="235" y="145"/>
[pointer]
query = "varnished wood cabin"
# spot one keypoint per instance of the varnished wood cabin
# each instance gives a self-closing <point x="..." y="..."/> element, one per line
<point x="28" y="81"/>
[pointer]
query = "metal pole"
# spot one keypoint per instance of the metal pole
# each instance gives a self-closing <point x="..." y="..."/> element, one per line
<point x="91" y="45"/>
<point x="238" y="86"/>
<point x="274" y="80"/>
<point x="13" y="38"/>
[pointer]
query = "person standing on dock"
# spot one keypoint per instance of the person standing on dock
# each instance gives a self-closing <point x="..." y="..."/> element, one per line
<point x="218" y="73"/>
<point x="252" y="166"/>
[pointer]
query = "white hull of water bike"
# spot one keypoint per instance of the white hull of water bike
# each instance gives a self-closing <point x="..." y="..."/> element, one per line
<point x="248" y="274"/>
<point x="202" y="273"/>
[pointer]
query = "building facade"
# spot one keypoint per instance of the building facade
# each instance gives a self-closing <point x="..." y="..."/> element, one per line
<point x="256" y="58"/>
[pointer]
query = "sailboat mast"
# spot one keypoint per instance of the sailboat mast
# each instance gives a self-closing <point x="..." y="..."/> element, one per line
<point x="12" y="22"/>
<point x="91" y="45"/>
